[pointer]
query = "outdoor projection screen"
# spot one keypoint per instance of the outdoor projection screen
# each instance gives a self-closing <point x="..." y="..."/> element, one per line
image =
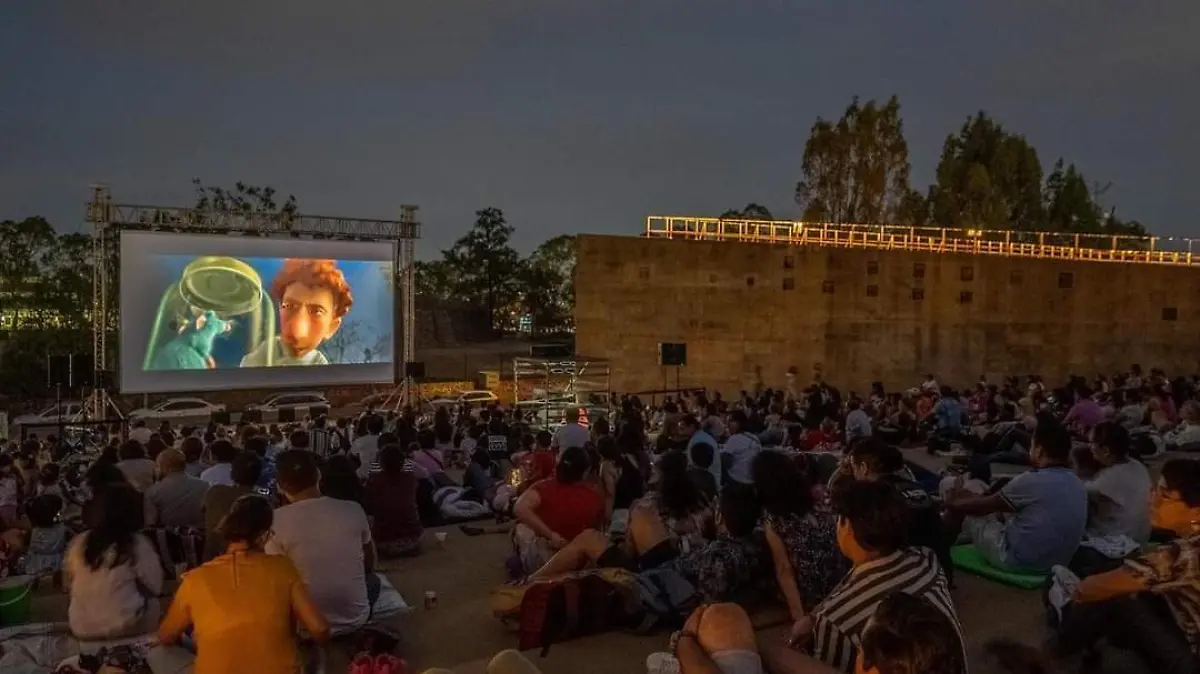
<point x="207" y="313"/>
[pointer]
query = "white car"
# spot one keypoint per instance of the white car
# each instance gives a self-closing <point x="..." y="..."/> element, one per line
<point x="477" y="397"/>
<point x="60" y="413"/>
<point x="301" y="399"/>
<point x="177" y="408"/>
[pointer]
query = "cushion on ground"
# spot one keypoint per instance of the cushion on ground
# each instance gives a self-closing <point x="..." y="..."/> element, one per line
<point x="967" y="558"/>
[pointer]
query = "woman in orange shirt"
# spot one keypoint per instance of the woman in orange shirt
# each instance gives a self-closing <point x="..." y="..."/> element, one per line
<point x="243" y="606"/>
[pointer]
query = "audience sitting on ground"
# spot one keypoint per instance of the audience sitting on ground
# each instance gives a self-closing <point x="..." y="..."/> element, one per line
<point x="621" y="483"/>
<point x="193" y="451"/>
<point x="1118" y="487"/>
<point x="328" y="540"/>
<point x="112" y="572"/>
<point x="366" y="447"/>
<point x="47" y="536"/>
<point x="688" y="431"/>
<point x="175" y="500"/>
<point x="554" y="511"/>
<point x="739" y="451"/>
<point x="223" y="453"/>
<point x="339" y="479"/>
<point x="390" y="501"/>
<point x="136" y="467"/>
<point x="701" y="457"/>
<point x="872" y="533"/>
<point x="1175" y="506"/>
<point x="1185" y="436"/>
<point x="684" y="510"/>
<point x="723" y="568"/>
<point x="1047" y="509"/>
<point x="242" y="607"/>
<point x="1149" y="605"/>
<point x="873" y="460"/>
<point x="802" y="541"/>
<point x="244" y="473"/>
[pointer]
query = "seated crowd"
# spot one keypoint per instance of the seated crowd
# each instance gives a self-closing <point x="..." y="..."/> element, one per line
<point x="799" y="500"/>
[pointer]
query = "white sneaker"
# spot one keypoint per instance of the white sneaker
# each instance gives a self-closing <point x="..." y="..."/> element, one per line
<point x="1062" y="590"/>
<point x="662" y="663"/>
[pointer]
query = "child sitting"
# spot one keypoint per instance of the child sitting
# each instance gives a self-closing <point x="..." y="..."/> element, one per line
<point x="48" y="481"/>
<point x="48" y="540"/>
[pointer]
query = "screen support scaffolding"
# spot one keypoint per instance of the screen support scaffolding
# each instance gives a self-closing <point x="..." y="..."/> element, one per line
<point x="108" y="219"/>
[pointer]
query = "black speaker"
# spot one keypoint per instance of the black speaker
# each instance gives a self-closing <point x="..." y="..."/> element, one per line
<point x="414" y="370"/>
<point x="221" y="418"/>
<point x="670" y="353"/>
<point x="318" y="411"/>
<point x="58" y="370"/>
<point x="252" y="416"/>
<point x="287" y="415"/>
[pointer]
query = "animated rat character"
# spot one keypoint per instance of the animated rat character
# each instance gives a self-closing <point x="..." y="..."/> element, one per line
<point x="192" y="348"/>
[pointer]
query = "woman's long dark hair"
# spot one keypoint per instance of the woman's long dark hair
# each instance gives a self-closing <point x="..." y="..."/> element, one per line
<point x="116" y="513"/>
<point x="678" y="494"/>
<point x="781" y="487"/>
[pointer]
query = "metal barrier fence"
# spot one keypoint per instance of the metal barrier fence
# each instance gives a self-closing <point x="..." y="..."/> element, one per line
<point x="1044" y="245"/>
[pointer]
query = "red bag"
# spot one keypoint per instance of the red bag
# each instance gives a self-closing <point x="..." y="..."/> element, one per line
<point x="570" y="608"/>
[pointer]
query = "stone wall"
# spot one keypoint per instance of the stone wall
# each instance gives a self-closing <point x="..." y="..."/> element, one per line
<point x="749" y="313"/>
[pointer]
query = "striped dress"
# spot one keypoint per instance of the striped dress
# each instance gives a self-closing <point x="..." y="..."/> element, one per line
<point x="840" y="619"/>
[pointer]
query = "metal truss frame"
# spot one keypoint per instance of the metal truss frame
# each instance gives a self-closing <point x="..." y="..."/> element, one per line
<point x="108" y="219"/>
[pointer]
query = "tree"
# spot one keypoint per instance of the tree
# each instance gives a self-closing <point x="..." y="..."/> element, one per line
<point x="548" y="284"/>
<point x="435" y="279"/>
<point x="1068" y="202"/>
<point x="342" y="342"/>
<point x="987" y="178"/>
<point x="485" y="267"/>
<point x="26" y="248"/>
<point x="243" y="197"/>
<point x="856" y="170"/>
<point x="752" y="211"/>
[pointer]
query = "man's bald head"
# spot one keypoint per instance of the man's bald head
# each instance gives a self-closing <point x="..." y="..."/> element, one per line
<point x="170" y="461"/>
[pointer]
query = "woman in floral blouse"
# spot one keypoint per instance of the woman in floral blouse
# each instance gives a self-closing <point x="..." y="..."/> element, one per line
<point x="802" y="539"/>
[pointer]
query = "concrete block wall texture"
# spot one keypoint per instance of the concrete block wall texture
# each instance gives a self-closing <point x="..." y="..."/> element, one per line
<point x="749" y="313"/>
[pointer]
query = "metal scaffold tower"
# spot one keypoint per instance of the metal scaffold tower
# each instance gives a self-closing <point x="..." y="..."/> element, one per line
<point x="108" y="219"/>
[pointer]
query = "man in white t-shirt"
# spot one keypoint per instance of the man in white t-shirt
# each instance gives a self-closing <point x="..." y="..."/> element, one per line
<point x="141" y="432"/>
<point x="328" y="540"/>
<point x="571" y="434"/>
<point x="366" y="448"/>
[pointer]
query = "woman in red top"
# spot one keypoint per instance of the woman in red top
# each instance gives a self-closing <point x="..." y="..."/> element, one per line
<point x="556" y="510"/>
<point x="390" y="499"/>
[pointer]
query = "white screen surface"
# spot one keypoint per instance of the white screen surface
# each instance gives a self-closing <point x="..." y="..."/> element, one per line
<point x="207" y="313"/>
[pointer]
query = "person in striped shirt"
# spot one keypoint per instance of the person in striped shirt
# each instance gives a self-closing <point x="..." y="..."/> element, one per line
<point x="872" y="532"/>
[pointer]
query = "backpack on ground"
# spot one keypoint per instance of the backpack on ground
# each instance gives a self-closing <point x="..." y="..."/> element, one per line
<point x="667" y="598"/>
<point x="506" y="599"/>
<point x="571" y="606"/>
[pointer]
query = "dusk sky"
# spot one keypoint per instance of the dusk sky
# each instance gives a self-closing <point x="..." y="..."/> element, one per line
<point x="572" y="116"/>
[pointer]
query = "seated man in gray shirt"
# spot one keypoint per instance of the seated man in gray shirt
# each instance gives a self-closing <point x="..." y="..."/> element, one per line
<point x="176" y="499"/>
<point x="1037" y="520"/>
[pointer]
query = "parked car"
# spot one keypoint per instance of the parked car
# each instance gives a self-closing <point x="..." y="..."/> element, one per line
<point x="55" y="414"/>
<point x="477" y="397"/>
<point x="177" y="408"/>
<point x="297" y="400"/>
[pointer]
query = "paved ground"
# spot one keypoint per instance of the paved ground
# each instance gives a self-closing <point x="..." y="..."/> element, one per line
<point x="461" y="633"/>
